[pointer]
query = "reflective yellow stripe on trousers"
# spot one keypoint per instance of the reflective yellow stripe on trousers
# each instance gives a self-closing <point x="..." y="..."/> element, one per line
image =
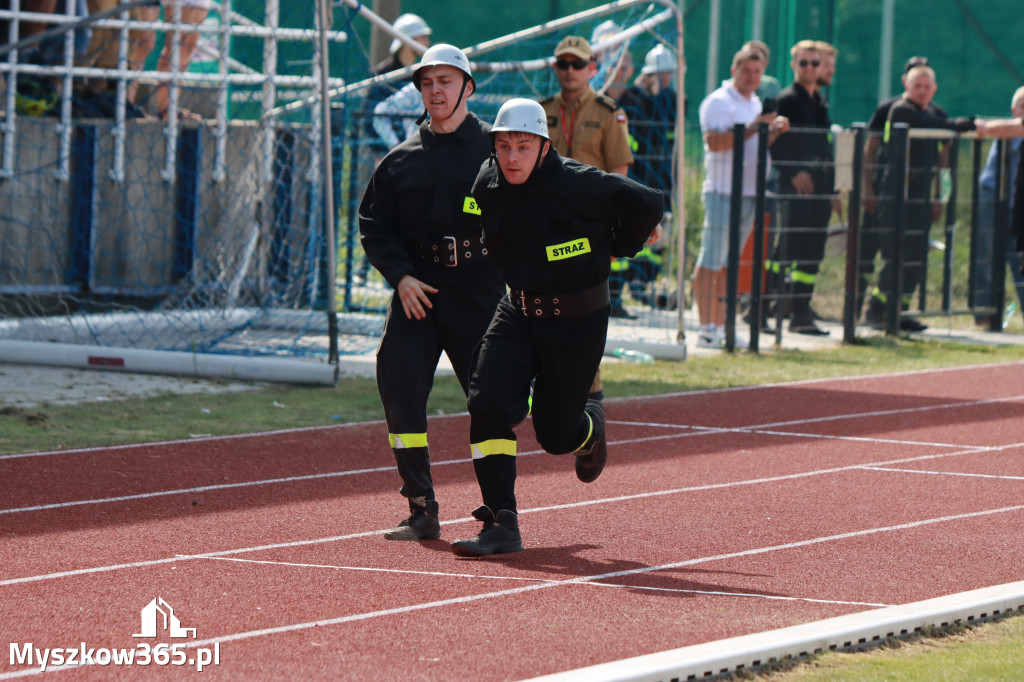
<point x="498" y="446"/>
<point x="399" y="441"/>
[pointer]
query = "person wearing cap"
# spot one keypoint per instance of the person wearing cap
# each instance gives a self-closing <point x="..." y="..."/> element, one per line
<point x="586" y="126"/>
<point x="420" y="228"/>
<point x="553" y="225"/>
<point x="390" y="108"/>
<point x="400" y="56"/>
<point x="650" y="106"/>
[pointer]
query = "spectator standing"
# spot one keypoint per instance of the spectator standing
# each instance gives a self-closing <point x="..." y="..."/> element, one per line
<point x="827" y="69"/>
<point x="401" y="55"/>
<point x="420" y="228"/>
<point x="553" y="225"/>
<point x="390" y="109"/>
<point x="871" y="231"/>
<point x="770" y="86"/>
<point x="587" y="127"/>
<point x="807" y="184"/>
<point x="922" y="191"/>
<point x="988" y="194"/>
<point x="650" y="106"/>
<point x="735" y="102"/>
<point x="193" y="12"/>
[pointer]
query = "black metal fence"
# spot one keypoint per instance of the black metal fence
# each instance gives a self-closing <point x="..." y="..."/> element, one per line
<point x="928" y="239"/>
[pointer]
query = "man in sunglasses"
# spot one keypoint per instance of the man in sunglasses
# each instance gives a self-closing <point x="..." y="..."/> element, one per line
<point x="587" y="127"/>
<point x="807" y="181"/>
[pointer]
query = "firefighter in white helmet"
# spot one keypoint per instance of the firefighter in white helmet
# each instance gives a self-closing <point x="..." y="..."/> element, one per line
<point x="420" y="228"/>
<point x="400" y="56"/>
<point x="553" y="226"/>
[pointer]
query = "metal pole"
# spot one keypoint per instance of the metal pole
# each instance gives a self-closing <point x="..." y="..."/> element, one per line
<point x="757" y="21"/>
<point x="885" y="49"/>
<point x="850" y="310"/>
<point x="757" y="267"/>
<point x="999" y="236"/>
<point x="327" y="186"/>
<point x="711" y="80"/>
<point x="950" y="232"/>
<point x="733" y="259"/>
<point x="894" y="297"/>
<point x="678" y="212"/>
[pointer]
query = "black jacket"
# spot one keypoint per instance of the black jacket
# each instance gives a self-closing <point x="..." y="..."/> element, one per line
<point x="557" y="232"/>
<point x="420" y="194"/>
<point x="798" y="151"/>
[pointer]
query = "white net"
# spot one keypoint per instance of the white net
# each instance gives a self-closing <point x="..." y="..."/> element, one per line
<point x="190" y="217"/>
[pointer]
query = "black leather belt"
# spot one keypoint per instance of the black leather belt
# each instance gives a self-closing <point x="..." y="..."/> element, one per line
<point x="450" y="252"/>
<point x="572" y="304"/>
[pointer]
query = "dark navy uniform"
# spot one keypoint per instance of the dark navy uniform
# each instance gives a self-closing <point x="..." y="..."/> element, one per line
<point x="553" y="238"/>
<point x="922" y="164"/>
<point x="418" y="217"/>
<point x="805" y="218"/>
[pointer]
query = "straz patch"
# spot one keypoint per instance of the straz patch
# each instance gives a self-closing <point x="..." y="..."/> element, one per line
<point x="470" y="206"/>
<point x="576" y="247"/>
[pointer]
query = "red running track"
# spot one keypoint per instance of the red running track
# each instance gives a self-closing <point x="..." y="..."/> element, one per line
<point x="721" y="513"/>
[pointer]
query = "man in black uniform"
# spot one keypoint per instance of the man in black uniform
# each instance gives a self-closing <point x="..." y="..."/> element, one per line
<point x="872" y="234"/>
<point x="807" y="176"/>
<point x="915" y="108"/>
<point x="553" y="225"/>
<point x="420" y="228"/>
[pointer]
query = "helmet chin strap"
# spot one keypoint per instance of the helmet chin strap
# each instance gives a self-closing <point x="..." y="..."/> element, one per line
<point x="462" y="92"/>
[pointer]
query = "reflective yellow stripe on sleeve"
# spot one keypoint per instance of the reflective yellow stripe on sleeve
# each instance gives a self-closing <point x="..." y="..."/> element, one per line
<point x="498" y="446"/>
<point x="399" y="441"/>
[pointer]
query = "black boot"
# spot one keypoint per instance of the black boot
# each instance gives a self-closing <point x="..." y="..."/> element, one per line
<point x="591" y="457"/>
<point x="421" y="525"/>
<point x="500" y="534"/>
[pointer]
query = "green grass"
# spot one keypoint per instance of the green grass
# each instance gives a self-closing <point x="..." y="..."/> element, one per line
<point x="990" y="652"/>
<point x="167" y="417"/>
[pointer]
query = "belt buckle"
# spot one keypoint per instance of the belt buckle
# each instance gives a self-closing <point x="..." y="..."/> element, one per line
<point x="522" y="302"/>
<point x="453" y="258"/>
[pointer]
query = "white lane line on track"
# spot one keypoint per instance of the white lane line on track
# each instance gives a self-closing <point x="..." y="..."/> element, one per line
<point x="568" y="505"/>
<point x="761" y="429"/>
<point x="944" y="473"/>
<point x="648" y="398"/>
<point x="477" y="576"/>
<point x="411" y="608"/>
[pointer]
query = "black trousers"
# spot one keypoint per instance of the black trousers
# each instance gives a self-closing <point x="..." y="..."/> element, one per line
<point x="916" y="228"/>
<point x="407" y="360"/>
<point x="560" y="358"/>
<point x="801" y="245"/>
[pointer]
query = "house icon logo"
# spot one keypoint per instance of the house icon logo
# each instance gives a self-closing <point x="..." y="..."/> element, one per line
<point x="158" y="616"/>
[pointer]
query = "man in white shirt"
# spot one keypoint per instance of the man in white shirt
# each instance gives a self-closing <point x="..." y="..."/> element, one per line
<point x="734" y="102"/>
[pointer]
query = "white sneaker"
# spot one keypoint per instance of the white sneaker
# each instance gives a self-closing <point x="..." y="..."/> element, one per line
<point x="710" y="336"/>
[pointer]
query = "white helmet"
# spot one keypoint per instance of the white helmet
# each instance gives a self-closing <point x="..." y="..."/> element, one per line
<point x="604" y="29"/>
<point x="659" y="60"/>
<point x="411" y="26"/>
<point x="523" y="116"/>
<point x="443" y="54"/>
